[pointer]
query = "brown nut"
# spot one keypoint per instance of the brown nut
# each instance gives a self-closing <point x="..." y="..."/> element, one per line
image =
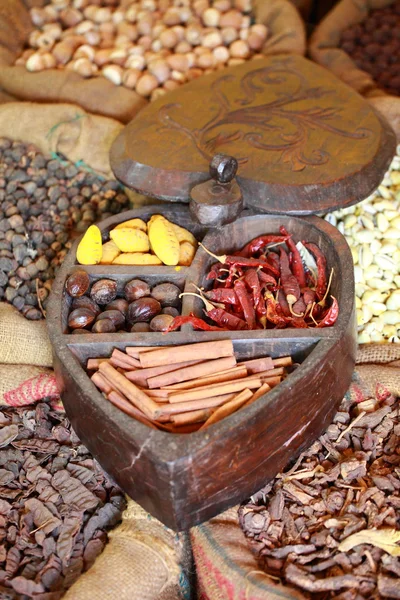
<point x="85" y="302"/>
<point x="161" y="322"/>
<point x="104" y="326"/>
<point x="119" y="304"/>
<point x="140" y="328"/>
<point x="79" y="331"/>
<point x="135" y="289"/>
<point x="167" y="294"/>
<point x="77" y="283"/>
<point x="104" y="291"/>
<point x="143" y="309"/>
<point x="115" y="316"/>
<point x="80" y="317"/>
<point x="170" y="310"/>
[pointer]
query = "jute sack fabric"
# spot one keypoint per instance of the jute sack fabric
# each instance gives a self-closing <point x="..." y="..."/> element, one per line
<point x="323" y="48"/>
<point x="225" y="566"/>
<point x="63" y="129"/>
<point x="143" y="560"/>
<point x="98" y="95"/>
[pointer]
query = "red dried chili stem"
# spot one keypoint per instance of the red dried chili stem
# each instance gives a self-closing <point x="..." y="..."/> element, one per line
<point x="289" y="282"/>
<point x="320" y="288"/>
<point x="246" y="303"/>
<point x="264" y="240"/>
<point x="331" y="315"/>
<point x="224" y="295"/>
<point x="297" y="263"/>
<point x="192" y="320"/>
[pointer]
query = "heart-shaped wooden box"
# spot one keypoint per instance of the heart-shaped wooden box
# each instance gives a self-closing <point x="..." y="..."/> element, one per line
<point x="186" y="479"/>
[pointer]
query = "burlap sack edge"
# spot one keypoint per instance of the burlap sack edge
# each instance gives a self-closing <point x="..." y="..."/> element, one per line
<point x="323" y="49"/>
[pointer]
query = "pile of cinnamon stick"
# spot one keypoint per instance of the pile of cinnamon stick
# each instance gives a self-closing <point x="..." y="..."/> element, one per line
<point x="184" y="388"/>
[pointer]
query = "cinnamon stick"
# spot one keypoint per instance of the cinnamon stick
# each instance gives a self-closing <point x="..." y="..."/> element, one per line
<point x="123" y="404"/>
<point x="229" y="375"/>
<point x="129" y="389"/>
<point x="101" y="382"/>
<point x="272" y="381"/>
<point x="204" y="403"/>
<point x="135" y="351"/>
<point x="258" y="365"/>
<point x="257" y="394"/>
<point x="193" y="372"/>
<point x="213" y="390"/>
<point x="117" y="362"/>
<point x="142" y="375"/>
<point x="227" y="409"/>
<point x="284" y="361"/>
<point x="194" y="416"/>
<point x="203" y="350"/>
<point x="125" y="358"/>
<point x="93" y="363"/>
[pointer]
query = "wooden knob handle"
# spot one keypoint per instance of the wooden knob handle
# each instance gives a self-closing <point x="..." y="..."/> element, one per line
<point x="223" y="168"/>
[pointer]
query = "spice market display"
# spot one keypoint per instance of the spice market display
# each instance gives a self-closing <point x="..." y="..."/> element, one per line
<point x="204" y="347"/>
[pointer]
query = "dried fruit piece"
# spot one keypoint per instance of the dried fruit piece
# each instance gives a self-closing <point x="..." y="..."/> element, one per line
<point x="186" y="254"/>
<point x="134" y="224"/>
<point x="184" y="235"/>
<point x="89" y="251"/>
<point x="110" y="252"/>
<point x="137" y="258"/>
<point x="130" y="240"/>
<point x="77" y="283"/>
<point x="103" y="291"/>
<point x="163" y="241"/>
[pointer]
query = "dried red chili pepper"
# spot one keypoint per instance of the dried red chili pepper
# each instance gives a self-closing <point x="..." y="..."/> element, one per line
<point x="224" y="295"/>
<point x="273" y="260"/>
<point x="273" y="316"/>
<point x="253" y="283"/>
<point x="289" y="282"/>
<point x="320" y="288"/>
<point x="331" y="315"/>
<point x="225" y="318"/>
<point x="215" y="271"/>
<point x="299" y="307"/>
<point x="246" y="303"/>
<point x="266" y="279"/>
<point x="282" y="302"/>
<point x="297" y="263"/>
<point x="264" y="240"/>
<point x="192" y="320"/>
<point x="309" y="295"/>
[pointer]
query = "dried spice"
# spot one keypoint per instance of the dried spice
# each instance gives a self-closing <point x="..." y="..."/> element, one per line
<point x="331" y="522"/>
<point x="55" y="504"/>
<point x="44" y="203"/>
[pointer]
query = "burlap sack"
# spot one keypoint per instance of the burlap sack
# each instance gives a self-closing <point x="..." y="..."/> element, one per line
<point x="62" y="128"/>
<point x="323" y="48"/>
<point x="98" y="95"/>
<point x="142" y="561"/>
<point x="225" y="565"/>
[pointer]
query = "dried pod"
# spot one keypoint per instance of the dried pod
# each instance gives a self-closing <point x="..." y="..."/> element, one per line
<point x="119" y="304"/>
<point x="104" y="291"/>
<point x="135" y="289"/>
<point x="143" y="309"/>
<point x="104" y="326"/>
<point x="77" y="283"/>
<point x="140" y="328"/>
<point x="115" y="316"/>
<point x="167" y="294"/>
<point x="80" y="317"/>
<point x="161" y="322"/>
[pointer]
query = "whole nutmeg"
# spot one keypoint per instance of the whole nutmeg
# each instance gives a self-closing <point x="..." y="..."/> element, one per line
<point x="104" y="326"/>
<point x="146" y="84"/>
<point x="104" y="291"/>
<point x="80" y="317"/>
<point x="135" y="289"/>
<point x="143" y="309"/>
<point x="167" y="294"/>
<point x="77" y="283"/>
<point x="161" y="322"/>
<point x="115" y="316"/>
<point x="170" y="310"/>
<point x="140" y="328"/>
<point x="119" y="304"/>
<point x="86" y="302"/>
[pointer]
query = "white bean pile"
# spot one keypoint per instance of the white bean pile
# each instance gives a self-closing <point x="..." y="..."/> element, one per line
<point x="151" y="46"/>
<point x="372" y="230"/>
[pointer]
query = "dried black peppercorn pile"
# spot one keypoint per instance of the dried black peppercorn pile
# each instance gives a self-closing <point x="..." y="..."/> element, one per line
<point x="55" y="504"/>
<point x="374" y="45"/>
<point x="44" y="203"/>
<point x="330" y="525"/>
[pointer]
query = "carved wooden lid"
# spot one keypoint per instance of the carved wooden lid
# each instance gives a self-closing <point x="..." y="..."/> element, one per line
<point x="305" y="141"/>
